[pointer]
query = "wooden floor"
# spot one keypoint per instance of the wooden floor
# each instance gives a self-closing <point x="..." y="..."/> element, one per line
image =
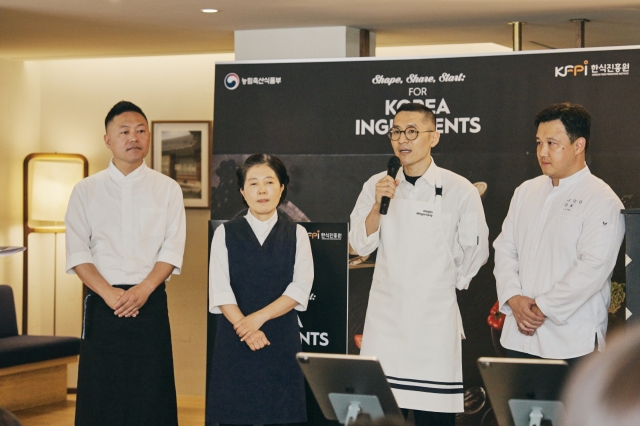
<point x="190" y="413"/>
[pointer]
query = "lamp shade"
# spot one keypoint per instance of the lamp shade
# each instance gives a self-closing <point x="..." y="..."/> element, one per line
<point x="52" y="181"/>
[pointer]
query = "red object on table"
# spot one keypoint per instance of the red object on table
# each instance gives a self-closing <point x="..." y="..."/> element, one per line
<point x="496" y="318"/>
<point x="358" y="340"/>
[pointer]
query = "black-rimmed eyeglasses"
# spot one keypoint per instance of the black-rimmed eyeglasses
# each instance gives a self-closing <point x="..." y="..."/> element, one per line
<point x="410" y="133"/>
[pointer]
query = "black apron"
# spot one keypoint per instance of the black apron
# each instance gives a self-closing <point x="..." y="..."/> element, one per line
<point x="265" y="386"/>
<point x="125" y="375"/>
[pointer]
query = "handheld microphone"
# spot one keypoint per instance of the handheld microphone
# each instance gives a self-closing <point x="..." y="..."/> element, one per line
<point x="392" y="170"/>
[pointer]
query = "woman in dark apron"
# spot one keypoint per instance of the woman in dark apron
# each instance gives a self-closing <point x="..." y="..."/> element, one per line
<point x="261" y="272"/>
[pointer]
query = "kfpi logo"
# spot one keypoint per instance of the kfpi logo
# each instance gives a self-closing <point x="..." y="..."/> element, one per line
<point x="572" y="69"/>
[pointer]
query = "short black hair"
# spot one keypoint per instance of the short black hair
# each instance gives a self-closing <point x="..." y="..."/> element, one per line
<point x="120" y="108"/>
<point x="416" y="107"/>
<point x="273" y="162"/>
<point x="574" y="117"/>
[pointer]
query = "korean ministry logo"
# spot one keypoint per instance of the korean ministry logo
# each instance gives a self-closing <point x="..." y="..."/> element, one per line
<point x="232" y="81"/>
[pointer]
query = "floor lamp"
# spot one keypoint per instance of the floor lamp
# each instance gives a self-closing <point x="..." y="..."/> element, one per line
<point x="48" y="182"/>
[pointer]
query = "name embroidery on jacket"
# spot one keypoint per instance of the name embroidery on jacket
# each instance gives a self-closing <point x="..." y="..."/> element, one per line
<point x="569" y="204"/>
<point x="428" y="213"/>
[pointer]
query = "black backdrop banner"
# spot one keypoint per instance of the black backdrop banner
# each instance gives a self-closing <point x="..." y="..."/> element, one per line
<point x="323" y="326"/>
<point x="327" y="120"/>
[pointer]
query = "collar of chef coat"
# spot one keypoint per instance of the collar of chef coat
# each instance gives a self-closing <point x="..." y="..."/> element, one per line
<point x="260" y="228"/>
<point x="429" y="176"/>
<point x="573" y="179"/>
<point x="120" y="178"/>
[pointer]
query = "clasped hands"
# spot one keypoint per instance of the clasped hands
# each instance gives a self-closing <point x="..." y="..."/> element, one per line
<point x="248" y="329"/>
<point x="527" y="314"/>
<point x="128" y="303"/>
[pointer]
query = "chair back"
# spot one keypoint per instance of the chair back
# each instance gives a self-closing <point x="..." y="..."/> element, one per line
<point x="8" y="322"/>
<point x="8" y="419"/>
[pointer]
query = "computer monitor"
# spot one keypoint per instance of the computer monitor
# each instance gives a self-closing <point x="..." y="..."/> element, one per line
<point x="348" y="385"/>
<point x="526" y="385"/>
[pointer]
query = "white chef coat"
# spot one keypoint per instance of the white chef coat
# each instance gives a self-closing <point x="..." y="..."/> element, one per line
<point x="466" y="230"/>
<point x="220" y="291"/>
<point x="558" y="246"/>
<point x="125" y="224"/>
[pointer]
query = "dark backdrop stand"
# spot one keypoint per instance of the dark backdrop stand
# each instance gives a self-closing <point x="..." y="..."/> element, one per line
<point x="632" y="263"/>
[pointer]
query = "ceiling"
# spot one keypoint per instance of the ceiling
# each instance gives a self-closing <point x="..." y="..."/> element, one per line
<point x="41" y="29"/>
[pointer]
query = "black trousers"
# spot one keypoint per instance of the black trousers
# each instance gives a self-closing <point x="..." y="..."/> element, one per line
<point x="430" y="418"/>
<point x="573" y="362"/>
<point x="125" y="376"/>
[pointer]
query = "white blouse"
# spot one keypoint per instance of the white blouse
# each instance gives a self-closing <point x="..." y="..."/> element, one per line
<point x="220" y="292"/>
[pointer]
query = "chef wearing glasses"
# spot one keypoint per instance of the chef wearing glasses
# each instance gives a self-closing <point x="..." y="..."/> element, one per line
<point x="432" y="241"/>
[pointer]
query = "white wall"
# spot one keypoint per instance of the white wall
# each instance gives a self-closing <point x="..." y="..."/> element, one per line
<point x="19" y="136"/>
<point x="76" y="95"/>
<point x="297" y="43"/>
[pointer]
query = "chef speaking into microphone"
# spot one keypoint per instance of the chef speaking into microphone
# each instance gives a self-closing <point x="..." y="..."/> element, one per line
<point x="432" y="240"/>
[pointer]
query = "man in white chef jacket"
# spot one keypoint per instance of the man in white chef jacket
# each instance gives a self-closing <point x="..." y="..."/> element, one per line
<point x="125" y="236"/>
<point x="558" y="246"/>
<point x="433" y="240"/>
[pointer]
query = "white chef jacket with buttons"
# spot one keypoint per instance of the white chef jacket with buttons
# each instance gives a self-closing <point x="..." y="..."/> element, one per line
<point x="125" y="224"/>
<point x="558" y="246"/>
<point x="466" y="229"/>
<point x="220" y="291"/>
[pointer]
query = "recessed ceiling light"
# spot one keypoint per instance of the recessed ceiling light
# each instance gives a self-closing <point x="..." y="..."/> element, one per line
<point x="209" y="10"/>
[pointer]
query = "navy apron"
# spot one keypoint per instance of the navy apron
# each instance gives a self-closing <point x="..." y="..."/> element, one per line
<point x="265" y="386"/>
<point x="125" y="375"/>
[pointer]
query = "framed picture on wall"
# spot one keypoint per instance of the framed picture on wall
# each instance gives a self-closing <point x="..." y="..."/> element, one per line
<point x="181" y="150"/>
